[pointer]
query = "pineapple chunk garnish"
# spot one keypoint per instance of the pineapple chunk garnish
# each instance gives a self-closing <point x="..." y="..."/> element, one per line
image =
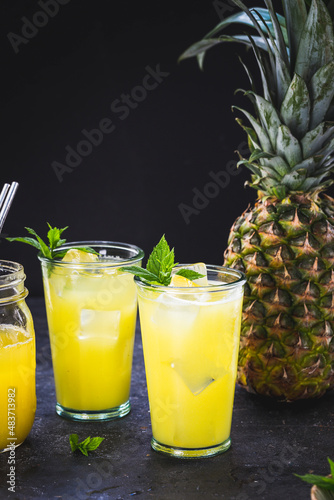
<point x="76" y="255"/>
<point x="11" y="335"/>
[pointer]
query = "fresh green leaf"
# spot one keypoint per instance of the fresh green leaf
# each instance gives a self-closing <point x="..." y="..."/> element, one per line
<point x="189" y="274"/>
<point x="54" y="242"/>
<point x="161" y="262"/>
<point x="88" y="444"/>
<point x="159" y="266"/>
<point x="74" y="441"/>
<point x="320" y="481"/>
<point x="140" y="272"/>
<point x="324" y="482"/>
<point x="94" y="443"/>
<point x="46" y="251"/>
<point x="331" y="464"/>
<point x="85" y="442"/>
<point x="54" y="236"/>
<point x="26" y="239"/>
<point x="83" y="450"/>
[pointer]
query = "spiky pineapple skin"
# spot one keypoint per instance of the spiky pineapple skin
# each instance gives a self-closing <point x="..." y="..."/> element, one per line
<point x="286" y="250"/>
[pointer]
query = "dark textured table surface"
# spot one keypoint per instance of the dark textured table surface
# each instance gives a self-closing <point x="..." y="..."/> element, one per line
<point x="270" y="442"/>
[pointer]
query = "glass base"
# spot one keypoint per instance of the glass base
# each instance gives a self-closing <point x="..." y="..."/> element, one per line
<point x="173" y="451"/>
<point x="10" y="448"/>
<point x="81" y="415"/>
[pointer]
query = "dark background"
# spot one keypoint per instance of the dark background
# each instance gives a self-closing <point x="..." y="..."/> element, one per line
<point x="130" y="187"/>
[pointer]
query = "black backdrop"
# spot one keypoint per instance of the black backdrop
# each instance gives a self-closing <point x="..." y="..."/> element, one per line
<point x="168" y="133"/>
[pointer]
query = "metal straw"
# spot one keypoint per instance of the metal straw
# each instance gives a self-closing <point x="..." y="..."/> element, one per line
<point x="6" y="197"/>
<point x="3" y="193"/>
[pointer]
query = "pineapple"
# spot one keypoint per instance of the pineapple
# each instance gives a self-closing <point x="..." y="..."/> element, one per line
<point x="285" y="243"/>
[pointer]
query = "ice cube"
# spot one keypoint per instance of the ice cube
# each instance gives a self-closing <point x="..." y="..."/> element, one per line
<point x="196" y="378"/>
<point x="61" y="282"/>
<point x="174" y="313"/>
<point x="58" y="283"/>
<point x="96" y="324"/>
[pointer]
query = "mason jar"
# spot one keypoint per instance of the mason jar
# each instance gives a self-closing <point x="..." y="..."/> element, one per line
<point x="17" y="358"/>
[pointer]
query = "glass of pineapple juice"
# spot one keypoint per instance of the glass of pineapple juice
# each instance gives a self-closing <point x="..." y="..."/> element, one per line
<point x="91" y="311"/>
<point x="17" y="358"/>
<point x="191" y="343"/>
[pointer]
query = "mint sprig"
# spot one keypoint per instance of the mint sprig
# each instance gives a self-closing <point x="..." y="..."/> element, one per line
<point x="159" y="266"/>
<point x="89" y="444"/>
<point x="325" y="482"/>
<point x="54" y="242"/>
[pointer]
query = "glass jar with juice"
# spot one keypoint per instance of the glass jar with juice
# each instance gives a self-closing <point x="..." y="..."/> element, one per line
<point x="17" y="358"/>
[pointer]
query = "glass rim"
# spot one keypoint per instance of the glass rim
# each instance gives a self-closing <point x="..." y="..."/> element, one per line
<point x="138" y="254"/>
<point x="13" y="267"/>
<point x="217" y="287"/>
<point x="12" y="280"/>
<point x="14" y="275"/>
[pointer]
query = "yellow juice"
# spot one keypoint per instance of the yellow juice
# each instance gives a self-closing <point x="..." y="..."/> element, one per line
<point x="91" y="318"/>
<point x="17" y="384"/>
<point x="191" y="350"/>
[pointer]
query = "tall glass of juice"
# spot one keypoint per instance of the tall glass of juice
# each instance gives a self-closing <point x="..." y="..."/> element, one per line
<point x="17" y="358"/>
<point x="191" y="343"/>
<point x="91" y="309"/>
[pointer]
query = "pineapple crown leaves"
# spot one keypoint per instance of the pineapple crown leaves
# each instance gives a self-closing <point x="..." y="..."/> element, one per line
<point x="291" y="137"/>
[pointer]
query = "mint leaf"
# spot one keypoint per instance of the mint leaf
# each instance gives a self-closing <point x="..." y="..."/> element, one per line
<point x="85" y="442"/>
<point x="88" y="444"/>
<point x="83" y="450"/>
<point x="29" y="241"/>
<point x="331" y="464"/>
<point x="55" y="241"/>
<point x="140" y="272"/>
<point x="189" y="274"/>
<point x="54" y="236"/>
<point x="325" y="482"/>
<point x="43" y="246"/>
<point x="74" y="441"/>
<point x="94" y="443"/>
<point x="160" y="265"/>
<point x="161" y="262"/>
<point x="320" y="481"/>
